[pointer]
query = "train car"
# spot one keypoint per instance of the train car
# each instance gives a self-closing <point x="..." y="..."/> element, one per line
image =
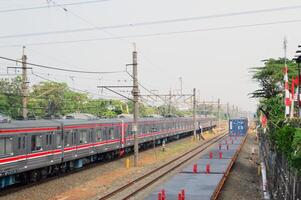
<point x="238" y="126"/>
<point x="35" y="149"/>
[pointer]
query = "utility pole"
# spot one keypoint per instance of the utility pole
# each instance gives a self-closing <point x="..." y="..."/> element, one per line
<point x="228" y="114"/>
<point x="204" y="107"/>
<point x="136" y="109"/>
<point x="218" y="112"/>
<point x="298" y="97"/>
<point x="298" y="61"/>
<point x="181" y="85"/>
<point x="24" y="86"/>
<point x="194" y="114"/>
<point x="169" y="103"/>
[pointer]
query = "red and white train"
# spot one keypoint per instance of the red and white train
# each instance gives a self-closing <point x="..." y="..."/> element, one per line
<point x="35" y="149"/>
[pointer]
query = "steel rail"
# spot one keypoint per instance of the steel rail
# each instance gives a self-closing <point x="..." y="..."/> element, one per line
<point x="198" y="150"/>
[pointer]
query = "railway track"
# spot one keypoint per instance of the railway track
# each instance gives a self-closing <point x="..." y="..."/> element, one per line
<point x="134" y="187"/>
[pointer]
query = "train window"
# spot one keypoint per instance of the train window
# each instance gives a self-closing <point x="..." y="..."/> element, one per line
<point x="91" y="135"/>
<point x="117" y="132"/>
<point x="129" y="130"/>
<point x="19" y="142"/>
<point x="98" y="133"/>
<point x="83" y="136"/>
<point x="6" y="146"/>
<point x="48" y="139"/>
<point x="111" y="133"/>
<point x="59" y="140"/>
<point x="36" y="142"/>
<point x="143" y="128"/>
<point x="73" y="137"/>
<point x="66" y="137"/>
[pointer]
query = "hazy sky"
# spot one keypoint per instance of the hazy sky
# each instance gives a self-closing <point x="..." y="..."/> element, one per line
<point x="216" y="62"/>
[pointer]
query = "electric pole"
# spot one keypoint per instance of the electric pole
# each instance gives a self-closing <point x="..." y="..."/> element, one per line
<point x="218" y="112"/>
<point x="204" y="107"/>
<point x="181" y="85"/>
<point x="136" y="109"/>
<point x="228" y="114"/>
<point x="169" y="103"/>
<point x="24" y="86"/>
<point x="194" y="114"/>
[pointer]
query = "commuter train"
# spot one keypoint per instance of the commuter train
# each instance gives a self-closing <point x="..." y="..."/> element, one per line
<point x="35" y="149"/>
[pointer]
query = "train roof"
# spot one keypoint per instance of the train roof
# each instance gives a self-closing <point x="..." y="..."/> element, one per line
<point x="29" y="124"/>
<point x="66" y="122"/>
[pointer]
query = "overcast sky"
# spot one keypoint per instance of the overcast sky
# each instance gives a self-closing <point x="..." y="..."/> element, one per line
<point x="216" y="62"/>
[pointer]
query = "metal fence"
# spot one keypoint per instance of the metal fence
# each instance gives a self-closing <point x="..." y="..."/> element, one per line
<point x="284" y="183"/>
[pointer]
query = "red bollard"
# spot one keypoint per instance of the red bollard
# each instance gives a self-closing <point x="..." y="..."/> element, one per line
<point x="159" y="196"/>
<point x="163" y="194"/>
<point x="208" y="168"/>
<point x="220" y="155"/>
<point x="183" y="194"/>
<point x="179" y="196"/>
<point x="210" y="155"/>
<point x="195" y="168"/>
<point x="220" y="146"/>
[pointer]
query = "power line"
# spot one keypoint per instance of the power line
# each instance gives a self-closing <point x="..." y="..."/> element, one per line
<point x="146" y="23"/>
<point x="83" y="19"/>
<point x="61" y="69"/>
<point x="147" y="89"/>
<point x="157" y="34"/>
<point x="76" y="89"/>
<point x="50" y="6"/>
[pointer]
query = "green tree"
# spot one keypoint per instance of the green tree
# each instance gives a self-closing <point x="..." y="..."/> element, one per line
<point x="270" y="81"/>
<point x="104" y="108"/>
<point x="11" y="96"/>
<point x="52" y="98"/>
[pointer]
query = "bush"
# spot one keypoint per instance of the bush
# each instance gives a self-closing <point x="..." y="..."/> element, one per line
<point x="284" y="138"/>
<point x="296" y="146"/>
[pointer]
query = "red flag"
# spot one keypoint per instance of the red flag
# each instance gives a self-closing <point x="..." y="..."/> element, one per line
<point x="264" y="120"/>
<point x="293" y="88"/>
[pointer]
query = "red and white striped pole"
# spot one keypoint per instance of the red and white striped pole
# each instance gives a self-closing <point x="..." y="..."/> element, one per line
<point x="287" y="93"/>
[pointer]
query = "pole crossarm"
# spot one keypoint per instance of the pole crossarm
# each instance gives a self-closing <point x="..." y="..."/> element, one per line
<point x="115" y="86"/>
<point x="108" y="88"/>
<point x="168" y="95"/>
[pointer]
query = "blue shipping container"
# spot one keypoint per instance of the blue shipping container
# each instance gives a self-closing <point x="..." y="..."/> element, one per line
<point x="238" y="126"/>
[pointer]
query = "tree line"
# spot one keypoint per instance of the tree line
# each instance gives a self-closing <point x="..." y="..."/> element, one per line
<point x="52" y="99"/>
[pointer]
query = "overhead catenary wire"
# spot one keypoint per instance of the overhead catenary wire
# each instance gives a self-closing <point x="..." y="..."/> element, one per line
<point x="158" y="34"/>
<point x="62" y="69"/>
<point x="94" y="27"/>
<point x="50" y="6"/>
<point x="147" y="89"/>
<point x="72" y="88"/>
<point x="131" y="25"/>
